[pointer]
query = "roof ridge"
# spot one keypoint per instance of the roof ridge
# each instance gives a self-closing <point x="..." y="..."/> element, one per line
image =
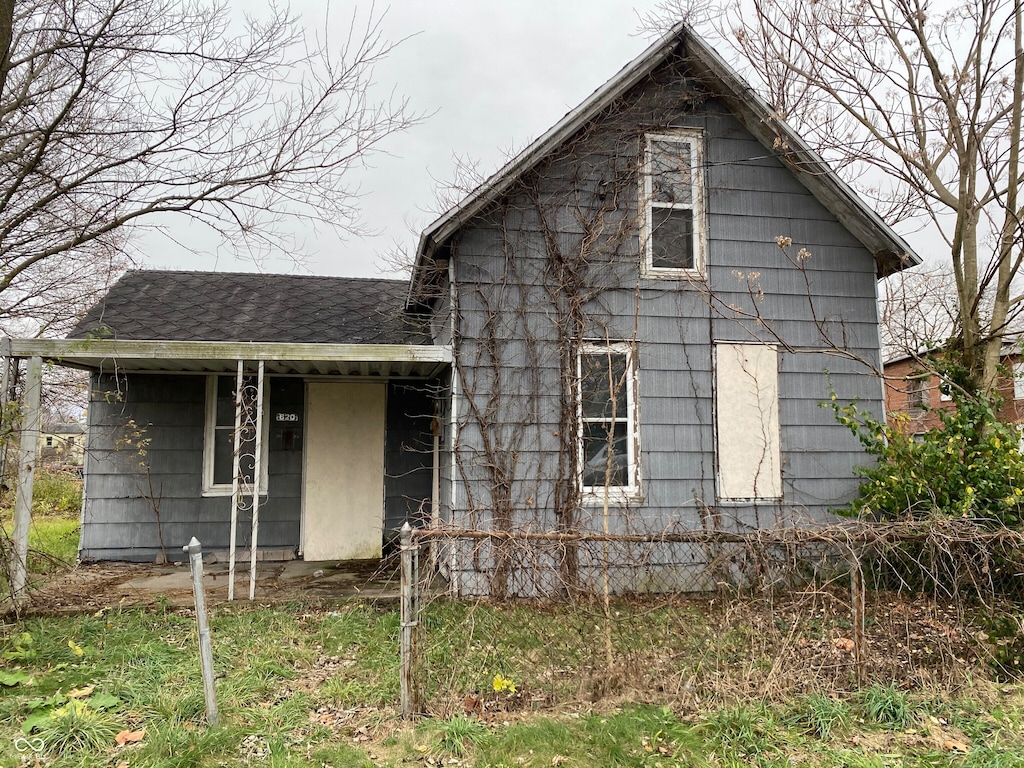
<point x="270" y="275"/>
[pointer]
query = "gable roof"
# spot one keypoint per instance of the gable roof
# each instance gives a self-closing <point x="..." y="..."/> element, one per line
<point x="891" y="252"/>
<point x="164" y="305"/>
<point x="63" y="428"/>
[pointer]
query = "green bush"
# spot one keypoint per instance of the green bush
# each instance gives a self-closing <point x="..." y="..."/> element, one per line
<point x="57" y="493"/>
<point x="968" y="467"/>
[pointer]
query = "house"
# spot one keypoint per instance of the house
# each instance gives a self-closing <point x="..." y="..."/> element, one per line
<point x="913" y="389"/>
<point x="61" y="444"/>
<point x="628" y="328"/>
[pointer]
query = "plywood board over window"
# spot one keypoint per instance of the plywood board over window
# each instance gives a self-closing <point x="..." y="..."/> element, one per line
<point x="747" y="418"/>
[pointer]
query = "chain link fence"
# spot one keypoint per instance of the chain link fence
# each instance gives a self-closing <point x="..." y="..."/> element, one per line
<point x="502" y="621"/>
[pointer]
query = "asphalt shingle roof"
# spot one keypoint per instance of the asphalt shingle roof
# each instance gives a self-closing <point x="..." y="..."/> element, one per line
<point x="159" y="305"/>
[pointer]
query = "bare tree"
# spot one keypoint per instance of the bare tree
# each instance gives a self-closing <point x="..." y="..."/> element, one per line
<point x="115" y="113"/>
<point x="929" y="94"/>
<point x="917" y="311"/>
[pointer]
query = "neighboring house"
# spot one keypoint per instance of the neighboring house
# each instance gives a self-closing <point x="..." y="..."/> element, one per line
<point x="913" y="389"/>
<point x="61" y="444"/>
<point x="629" y="327"/>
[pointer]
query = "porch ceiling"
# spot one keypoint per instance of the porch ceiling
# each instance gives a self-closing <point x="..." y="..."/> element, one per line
<point x="110" y="355"/>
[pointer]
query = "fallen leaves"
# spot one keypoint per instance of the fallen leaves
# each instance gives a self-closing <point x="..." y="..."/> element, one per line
<point x="955" y="745"/>
<point x="130" y="737"/>
<point x="844" y="644"/>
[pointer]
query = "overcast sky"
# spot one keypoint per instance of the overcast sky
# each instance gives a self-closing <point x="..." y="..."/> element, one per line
<point x="493" y="75"/>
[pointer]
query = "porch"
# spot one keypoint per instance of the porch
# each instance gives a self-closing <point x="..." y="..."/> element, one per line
<point x="330" y="490"/>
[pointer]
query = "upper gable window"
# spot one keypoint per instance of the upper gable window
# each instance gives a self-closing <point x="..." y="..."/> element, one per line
<point x="673" y="204"/>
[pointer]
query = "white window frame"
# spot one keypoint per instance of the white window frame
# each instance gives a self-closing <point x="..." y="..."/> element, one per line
<point x="596" y="494"/>
<point x="209" y="437"/>
<point x="919" y="391"/>
<point x="1018" y="380"/>
<point x="694" y="139"/>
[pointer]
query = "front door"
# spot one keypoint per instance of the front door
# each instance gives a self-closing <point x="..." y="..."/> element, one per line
<point x="343" y="481"/>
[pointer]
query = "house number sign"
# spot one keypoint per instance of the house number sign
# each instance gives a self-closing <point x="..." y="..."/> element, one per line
<point x="289" y="417"/>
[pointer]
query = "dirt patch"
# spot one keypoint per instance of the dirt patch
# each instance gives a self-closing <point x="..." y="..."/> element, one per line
<point x="88" y="588"/>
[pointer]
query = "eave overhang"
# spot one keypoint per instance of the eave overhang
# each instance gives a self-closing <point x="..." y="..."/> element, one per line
<point x="891" y="252"/>
<point x="131" y="356"/>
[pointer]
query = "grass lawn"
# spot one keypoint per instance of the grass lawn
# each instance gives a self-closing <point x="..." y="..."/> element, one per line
<point x="53" y="533"/>
<point x="304" y="687"/>
<point x="698" y="683"/>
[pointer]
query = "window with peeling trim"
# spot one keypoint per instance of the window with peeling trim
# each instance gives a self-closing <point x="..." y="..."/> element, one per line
<point x="608" y="440"/>
<point x="673" y="204"/>
<point x="219" y="448"/>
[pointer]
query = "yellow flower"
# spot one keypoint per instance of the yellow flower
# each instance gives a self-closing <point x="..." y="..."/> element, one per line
<point x="503" y="684"/>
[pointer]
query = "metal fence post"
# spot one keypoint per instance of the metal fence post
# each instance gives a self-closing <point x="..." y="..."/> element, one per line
<point x="195" y="558"/>
<point x="409" y="589"/>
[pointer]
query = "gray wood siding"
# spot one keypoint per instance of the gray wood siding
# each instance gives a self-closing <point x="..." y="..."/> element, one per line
<point x="167" y="412"/>
<point x="582" y="205"/>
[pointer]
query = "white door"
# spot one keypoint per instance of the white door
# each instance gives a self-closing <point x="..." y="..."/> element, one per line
<point x="343" y="482"/>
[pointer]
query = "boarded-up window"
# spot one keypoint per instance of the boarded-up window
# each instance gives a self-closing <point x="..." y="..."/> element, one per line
<point x="672" y="196"/>
<point x="747" y="406"/>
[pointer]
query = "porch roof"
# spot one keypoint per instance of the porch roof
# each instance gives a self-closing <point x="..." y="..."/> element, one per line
<point x="160" y="356"/>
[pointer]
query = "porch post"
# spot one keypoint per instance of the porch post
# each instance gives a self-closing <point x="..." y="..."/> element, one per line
<point x="236" y="491"/>
<point x="26" y="474"/>
<point x="7" y="378"/>
<point x="435" y="487"/>
<point x="257" y="475"/>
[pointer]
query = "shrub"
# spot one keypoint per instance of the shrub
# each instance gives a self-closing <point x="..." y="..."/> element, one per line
<point x="968" y="467"/>
<point x="57" y="493"/>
